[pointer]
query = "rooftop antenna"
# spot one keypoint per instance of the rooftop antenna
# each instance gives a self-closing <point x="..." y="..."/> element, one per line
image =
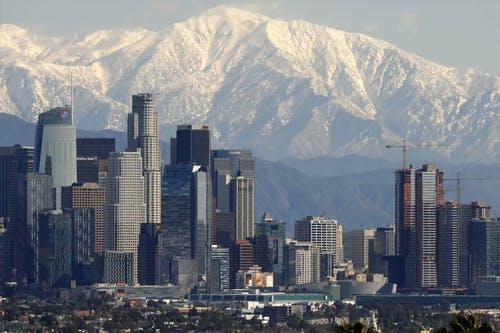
<point x="72" y="110"/>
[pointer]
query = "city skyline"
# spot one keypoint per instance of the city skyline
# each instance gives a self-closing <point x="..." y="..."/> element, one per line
<point x="254" y="186"/>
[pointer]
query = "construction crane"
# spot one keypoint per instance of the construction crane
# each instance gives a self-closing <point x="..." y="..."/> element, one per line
<point x="459" y="179"/>
<point x="406" y="146"/>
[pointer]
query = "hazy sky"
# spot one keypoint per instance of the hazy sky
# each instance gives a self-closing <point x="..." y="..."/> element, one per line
<point x="461" y="33"/>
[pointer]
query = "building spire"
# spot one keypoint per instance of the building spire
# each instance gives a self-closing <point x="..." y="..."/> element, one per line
<point x="72" y="110"/>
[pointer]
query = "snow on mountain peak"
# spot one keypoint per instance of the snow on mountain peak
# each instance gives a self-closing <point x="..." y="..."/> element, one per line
<point x="283" y="88"/>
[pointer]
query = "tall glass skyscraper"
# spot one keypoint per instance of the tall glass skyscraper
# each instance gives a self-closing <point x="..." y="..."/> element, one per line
<point x="125" y="209"/>
<point x="143" y="136"/>
<point x="186" y="218"/>
<point x="233" y="178"/>
<point x="54" y="245"/>
<point x="15" y="163"/>
<point x="55" y="148"/>
<point x="192" y="145"/>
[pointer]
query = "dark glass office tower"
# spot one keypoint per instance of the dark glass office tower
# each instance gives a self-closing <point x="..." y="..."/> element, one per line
<point x="484" y="247"/>
<point x="193" y="145"/>
<point x="383" y="245"/>
<point x="187" y="206"/>
<point x="54" y="259"/>
<point x="92" y="157"/>
<point x="186" y="216"/>
<point x="15" y="163"/>
<point x="269" y="242"/>
<point x="36" y="194"/>
<point x="82" y="245"/>
<point x="219" y="270"/>
<point x="176" y="216"/>
<point x="95" y="147"/>
<point x="148" y="253"/>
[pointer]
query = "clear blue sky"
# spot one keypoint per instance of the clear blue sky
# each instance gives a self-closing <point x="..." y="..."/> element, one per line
<point x="461" y="33"/>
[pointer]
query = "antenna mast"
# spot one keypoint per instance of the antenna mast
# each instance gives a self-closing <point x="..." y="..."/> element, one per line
<point x="72" y="110"/>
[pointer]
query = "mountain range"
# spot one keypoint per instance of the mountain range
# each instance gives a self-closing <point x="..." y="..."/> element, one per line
<point x="286" y="89"/>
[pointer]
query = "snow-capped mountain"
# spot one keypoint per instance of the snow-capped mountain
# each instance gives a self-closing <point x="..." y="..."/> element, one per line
<point x="282" y="88"/>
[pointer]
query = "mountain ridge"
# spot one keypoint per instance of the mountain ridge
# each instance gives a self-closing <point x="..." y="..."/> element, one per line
<point x="286" y="89"/>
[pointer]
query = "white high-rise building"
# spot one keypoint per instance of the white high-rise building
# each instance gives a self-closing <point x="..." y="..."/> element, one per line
<point x="125" y="208"/>
<point x="429" y="193"/>
<point x="302" y="262"/>
<point x="55" y="148"/>
<point x="143" y="137"/>
<point x="321" y="232"/>
<point x="242" y="206"/>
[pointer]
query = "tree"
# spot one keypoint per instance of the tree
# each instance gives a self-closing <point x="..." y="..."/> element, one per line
<point x="295" y="321"/>
<point x="357" y="327"/>
<point x="461" y="323"/>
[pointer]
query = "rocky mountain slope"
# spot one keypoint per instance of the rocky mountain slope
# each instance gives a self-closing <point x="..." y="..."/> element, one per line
<point x="287" y="89"/>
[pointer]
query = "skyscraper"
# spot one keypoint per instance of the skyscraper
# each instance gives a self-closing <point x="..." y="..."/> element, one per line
<point x="233" y="178"/>
<point x="453" y="256"/>
<point x="148" y="253"/>
<point x="82" y="244"/>
<point x="340" y="244"/>
<point x="418" y="193"/>
<point x="242" y="207"/>
<point x="302" y="263"/>
<point x="186" y="217"/>
<point x="360" y="247"/>
<point x="477" y="210"/>
<point x="241" y="259"/>
<point x="192" y="145"/>
<point x="143" y="135"/>
<point x="55" y="148"/>
<point x="87" y="195"/>
<point x="484" y="247"/>
<point x="270" y="233"/>
<point x="92" y="159"/>
<point x="219" y="270"/>
<point x="36" y="194"/>
<point x="448" y="244"/>
<point x="95" y="147"/>
<point x="383" y="246"/>
<point x="15" y="163"/>
<point x="125" y="209"/>
<point x="176" y="234"/>
<point x="187" y="206"/>
<point x="201" y="219"/>
<point x="429" y="193"/>
<point x="54" y="259"/>
<point x="321" y="232"/>
<point x="405" y="222"/>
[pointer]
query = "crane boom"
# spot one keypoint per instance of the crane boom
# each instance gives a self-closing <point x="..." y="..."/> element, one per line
<point x="405" y="147"/>
<point x="458" y="180"/>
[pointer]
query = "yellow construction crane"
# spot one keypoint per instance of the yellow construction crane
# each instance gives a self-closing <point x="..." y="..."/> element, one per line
<point x="407" y="146"/>
<point x="458" y="179"/>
